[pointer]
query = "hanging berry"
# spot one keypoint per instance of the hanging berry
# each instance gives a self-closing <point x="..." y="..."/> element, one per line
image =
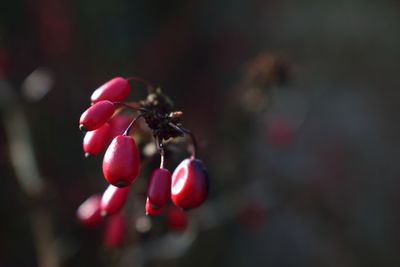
<point x="115" y="90"/>
<point x="118" y="125"/>
<point x="121" y="161"/>
<point x="189" y="184"/>
<point x="177" y="220"/>
<point x="96" y="115"/>
<point x="113" y="200"/>
<point x="94" y="141"/>
<point x="108" y="123"/>
<point x="159" y="188"/>
<point x="152" y="209"/>
<point x="115" y="231"/>
<point x="88" y="212"/>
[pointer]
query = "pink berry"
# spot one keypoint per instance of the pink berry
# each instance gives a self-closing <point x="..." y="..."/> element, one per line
<point x="121" y="161"/>
<point x="95" y="116"/>
<point x="176" y="219"/>
<point x="253" y="215"/>
<point x="115" y="90"/>
<point x="189" y="184"/>
<point x="118" y="125"/>
<point x="113" y="200"/>
<point x="152" y="209"/>
<point x="115" y="231"/>
<point x="94" y="141"/>
<point x="88" y="212"/>
<point x="279" y="133"/>
<point x="159" y="188"/>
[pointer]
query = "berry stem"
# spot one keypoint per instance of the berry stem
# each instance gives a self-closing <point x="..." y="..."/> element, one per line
<point x="131" y="125"/>
<point x="160" y="148"/>
<point x="186" y="131"/>
<point x="150" y="88"/>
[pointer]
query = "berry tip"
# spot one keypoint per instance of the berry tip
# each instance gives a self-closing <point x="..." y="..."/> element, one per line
<point x="121" y="184"/>
<point x="154" y="207"/>
<point x="82" y="128"/>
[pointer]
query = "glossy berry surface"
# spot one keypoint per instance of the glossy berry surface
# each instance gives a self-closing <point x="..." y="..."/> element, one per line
<point x="113" y="200"/>
<point x="110" y="122"/>
<point x="115" y="231"/>
<point x="121" y="161"/>
<point x="189" y="184"/>
<point x="94" y="141"/>
<point x="153" y="210"/>
<point x="118" y="125"/>
<point x="177" y="219"/>
<point x="115" y="90"/>
<point x="88" y="212"/>
<point x="96" y="115"/>
<point x="159" y="187"/>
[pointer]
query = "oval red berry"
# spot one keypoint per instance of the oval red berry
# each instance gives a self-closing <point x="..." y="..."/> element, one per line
<point x="189" y="184"/>
<point x="176" y="219"/>
<point x="159" y="188"/>
<point x="115" y="90"/>
<point x="115" y="231"/>
<point x="121" y="161"/>
<point x="94" y="141"/>
<point x="153" y="210"/>
<point x="88" y="212"/>
<point x="113" y="200"/>
<point x="118" y="125"/>
<point x="96" y="115"/>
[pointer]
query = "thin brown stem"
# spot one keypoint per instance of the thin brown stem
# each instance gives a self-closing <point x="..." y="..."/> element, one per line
<point x="192" y="137"/>
<point x="162" y="158"/>
<point x="160" y="148"/>
<point x="126" y="133"/>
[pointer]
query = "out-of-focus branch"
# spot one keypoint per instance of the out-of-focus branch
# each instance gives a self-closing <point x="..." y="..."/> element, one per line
<point x="27" y="173"/>
<point x="21" y="153"/>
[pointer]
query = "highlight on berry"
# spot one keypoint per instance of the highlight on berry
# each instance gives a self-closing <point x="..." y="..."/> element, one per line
<point x="110" y="125"/>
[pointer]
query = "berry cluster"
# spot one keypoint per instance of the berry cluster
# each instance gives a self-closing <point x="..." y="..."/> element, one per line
<point x="106" y="125"/>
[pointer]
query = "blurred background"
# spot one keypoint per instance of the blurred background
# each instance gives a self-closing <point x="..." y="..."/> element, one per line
<point x="294" y="104"/>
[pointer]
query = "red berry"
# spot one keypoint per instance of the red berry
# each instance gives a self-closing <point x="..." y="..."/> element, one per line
<point x="121" y="161"/>
<point x="152" y="209"/>
<point x="113" y="200"/>
<point x="279" y="133"/>
<point x="88" y="212"/>
<point x="115" y="231"/>
<point x="159" y="188"/>
<point x="253" y="215"/>
<point x="115" y="90"/>
<point x="94" y="141"/>
<point x="118" y="125"/>
<point x="176" y="219"/>
<point x="96" y="115"/>
<point x="189" y="184"/>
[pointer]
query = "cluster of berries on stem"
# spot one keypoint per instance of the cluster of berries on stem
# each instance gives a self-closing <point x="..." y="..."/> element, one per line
<point x="106" y="125"/>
